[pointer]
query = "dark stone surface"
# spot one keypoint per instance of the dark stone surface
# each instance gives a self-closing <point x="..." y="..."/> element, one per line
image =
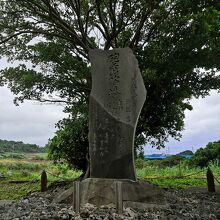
<point x="116" y="99"/>
<point x="210" y="180"/>
<point x="43" y="181"/>
<point x="111" y="157"/>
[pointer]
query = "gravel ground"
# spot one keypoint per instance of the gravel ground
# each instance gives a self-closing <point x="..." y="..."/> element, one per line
<point x="182" y="205"/>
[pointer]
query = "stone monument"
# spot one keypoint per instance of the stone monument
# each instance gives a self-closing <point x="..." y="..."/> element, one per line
<point x="117" y="96"/>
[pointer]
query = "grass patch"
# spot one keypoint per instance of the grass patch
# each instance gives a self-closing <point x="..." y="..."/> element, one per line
<point x="31" y="166"/>
<point x="176" y="177"/>
<point x="15" y="191"/>
<point x="178" y="183"/>
<point x="30" y="169"/>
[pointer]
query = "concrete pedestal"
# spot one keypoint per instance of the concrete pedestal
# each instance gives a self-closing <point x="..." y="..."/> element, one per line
<point x="99" y="192"/>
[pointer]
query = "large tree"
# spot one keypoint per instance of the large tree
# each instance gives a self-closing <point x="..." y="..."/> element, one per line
<point x="177" y="44"/>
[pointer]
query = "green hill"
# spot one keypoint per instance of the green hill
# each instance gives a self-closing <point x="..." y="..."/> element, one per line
<point x="19" y="147"/>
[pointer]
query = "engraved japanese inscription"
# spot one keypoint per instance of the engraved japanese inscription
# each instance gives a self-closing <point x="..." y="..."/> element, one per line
<point x="117" y="96"/>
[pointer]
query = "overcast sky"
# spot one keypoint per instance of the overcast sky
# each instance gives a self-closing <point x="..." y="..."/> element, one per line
<point x="32" y="122"/>
<point x="202" y="125"/>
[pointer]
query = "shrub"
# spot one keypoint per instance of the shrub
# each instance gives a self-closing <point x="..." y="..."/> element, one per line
<point x="139" y="163"/>
<point x="204" y="156"/>
<point x="70" y="144"/>
<point x="172" y="161"/>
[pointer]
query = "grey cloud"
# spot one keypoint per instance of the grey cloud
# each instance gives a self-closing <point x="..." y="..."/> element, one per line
<point x="202" y="125"/>
<point x="205" y="117"/>
<point x="29" y="122"/>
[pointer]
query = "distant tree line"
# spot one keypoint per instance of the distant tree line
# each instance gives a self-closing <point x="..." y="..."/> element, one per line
<point x="19" y="147"/>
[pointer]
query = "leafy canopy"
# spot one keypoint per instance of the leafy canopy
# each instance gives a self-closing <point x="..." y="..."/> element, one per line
<point x="175" y="41"/>
<point x="204" y="156"/>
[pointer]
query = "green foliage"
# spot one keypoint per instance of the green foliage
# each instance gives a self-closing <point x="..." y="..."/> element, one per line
<point x="204" y="156"/>
<point x="175" y="41"/>
<point x="139" y="163"/>
<point x="172" y="161"/>
<point x="167" y="162"/>
<point x="39" y="156"/>
<point x="70" y="143"/>
<point x="18" y="147"/>
<point x="63" y="168"/>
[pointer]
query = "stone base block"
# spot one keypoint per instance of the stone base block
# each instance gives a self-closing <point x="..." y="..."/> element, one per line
<point x="100" y="192"/>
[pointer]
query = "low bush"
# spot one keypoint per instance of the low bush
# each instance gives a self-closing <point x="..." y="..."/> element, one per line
<point x="172" y="161"/>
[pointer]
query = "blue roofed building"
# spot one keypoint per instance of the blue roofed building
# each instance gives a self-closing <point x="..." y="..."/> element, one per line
<point x="164" y="156"/>
<point x="155" y="156"/>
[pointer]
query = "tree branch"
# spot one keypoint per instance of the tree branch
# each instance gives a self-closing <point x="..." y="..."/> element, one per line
<point x="102" y="20"/>
<point x="141" y="24"/>
<point x="60" y="23"/>
<point x="51" y="101"/>
<point x="156" y="25"/>
<point x="12" y="36"/>
<point x="112" y="16"/>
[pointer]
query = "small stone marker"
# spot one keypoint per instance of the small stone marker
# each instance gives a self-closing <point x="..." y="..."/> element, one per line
<point x="76" y="196"/>
<point x="43" y="181"/>
<point x="119" y="197"/>
<point x="117" y="96"/>
<point x="210" y="180"/>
